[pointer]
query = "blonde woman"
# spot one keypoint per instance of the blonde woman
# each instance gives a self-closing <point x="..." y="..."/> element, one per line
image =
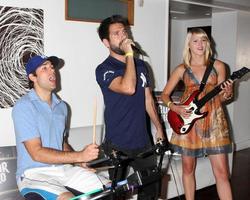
<point x="209" y="136"/>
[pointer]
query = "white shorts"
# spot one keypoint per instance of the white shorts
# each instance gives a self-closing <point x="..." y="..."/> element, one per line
<point x="50" y="182"/>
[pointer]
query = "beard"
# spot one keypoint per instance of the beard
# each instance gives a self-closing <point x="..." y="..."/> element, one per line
<point x="117" y="50"/>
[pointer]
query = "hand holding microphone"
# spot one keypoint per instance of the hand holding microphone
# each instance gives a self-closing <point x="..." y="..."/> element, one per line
<point x="126" y="45"/>
<point x="136" y="49"/>
<point x="131" y="44"/>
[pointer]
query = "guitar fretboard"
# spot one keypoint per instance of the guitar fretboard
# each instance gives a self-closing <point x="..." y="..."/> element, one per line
<point x="236" y="75"/>
<point x="208" y="96"/>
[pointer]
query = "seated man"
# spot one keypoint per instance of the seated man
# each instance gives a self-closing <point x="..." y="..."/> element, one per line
<point x="44" y="158"/>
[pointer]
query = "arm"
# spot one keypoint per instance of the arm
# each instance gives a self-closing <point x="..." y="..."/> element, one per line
<point x="151" y="110"/>
<point x="68" y="147"/>
<point x="126" y="84"/>
<point x="175" y="77"/>
<point x="227" y="87"/>
<point x="171" y="84"/>
<point x="53" y="156"/>
<point x="27" y="133"/>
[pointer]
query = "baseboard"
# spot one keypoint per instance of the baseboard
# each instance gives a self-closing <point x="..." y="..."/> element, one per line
<point x="242" y="145"/>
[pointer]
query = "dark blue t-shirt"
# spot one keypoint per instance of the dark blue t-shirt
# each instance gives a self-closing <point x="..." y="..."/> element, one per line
<point x="125" y="115"/>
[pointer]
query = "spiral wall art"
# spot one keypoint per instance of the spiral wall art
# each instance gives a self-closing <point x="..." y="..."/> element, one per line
<point x="21" y="36"/>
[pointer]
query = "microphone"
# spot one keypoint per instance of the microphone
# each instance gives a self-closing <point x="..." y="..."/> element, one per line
<point x="136" y="49"/>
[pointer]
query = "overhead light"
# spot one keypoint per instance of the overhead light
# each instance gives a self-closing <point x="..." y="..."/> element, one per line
<point x="177" y="12"/>
<point x="207" y="14"/>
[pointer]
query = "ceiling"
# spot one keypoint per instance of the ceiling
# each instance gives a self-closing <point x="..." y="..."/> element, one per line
<point x="196" y="9"/>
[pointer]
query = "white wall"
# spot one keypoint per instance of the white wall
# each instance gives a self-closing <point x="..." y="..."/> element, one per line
<point x="151" y="30"/>
<point x="77" y="43"/>
<point x="241" y="105"/>
<point x="233" y="47"/>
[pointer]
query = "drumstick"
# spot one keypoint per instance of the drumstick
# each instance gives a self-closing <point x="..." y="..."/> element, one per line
<point x="86" y="194"/>
<point x="103" y="168"/>
<point x="94" y="122"/>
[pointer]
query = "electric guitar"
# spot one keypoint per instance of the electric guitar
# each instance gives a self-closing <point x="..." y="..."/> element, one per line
<point x="183" y="125"/>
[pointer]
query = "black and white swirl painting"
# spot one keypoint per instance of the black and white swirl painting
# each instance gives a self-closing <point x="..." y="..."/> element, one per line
<point x="21" y="36"/>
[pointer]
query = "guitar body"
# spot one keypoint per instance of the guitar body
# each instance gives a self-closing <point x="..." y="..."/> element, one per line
<point x="182" y="125"/>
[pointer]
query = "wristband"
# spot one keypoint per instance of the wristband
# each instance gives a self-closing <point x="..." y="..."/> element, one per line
<point x="129" y="54"/>
<point x="169" y="103"/>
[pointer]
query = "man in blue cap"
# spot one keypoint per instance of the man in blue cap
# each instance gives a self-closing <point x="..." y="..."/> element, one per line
<point x="44" y="157"/>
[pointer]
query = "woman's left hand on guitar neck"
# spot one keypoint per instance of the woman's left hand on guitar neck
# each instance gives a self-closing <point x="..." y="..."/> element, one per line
<point x="227" y="90"/>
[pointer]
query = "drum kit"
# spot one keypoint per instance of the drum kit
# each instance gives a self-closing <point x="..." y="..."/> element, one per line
<point x="135" y="180"/>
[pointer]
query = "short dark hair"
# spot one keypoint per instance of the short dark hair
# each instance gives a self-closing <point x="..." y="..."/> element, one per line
<point x="103" y="29"/>
<point x="31" y="83"/>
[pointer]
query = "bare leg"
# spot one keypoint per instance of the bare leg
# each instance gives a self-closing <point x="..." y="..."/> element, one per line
<point x="188" y="176"/>
<point x="65" y="196"/>
<point x="220" y="168"/>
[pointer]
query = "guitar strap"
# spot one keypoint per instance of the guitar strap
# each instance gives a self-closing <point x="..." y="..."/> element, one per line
<point x="206" y="74"/>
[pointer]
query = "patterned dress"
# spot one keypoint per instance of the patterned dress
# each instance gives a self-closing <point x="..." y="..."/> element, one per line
<point x="209" y="135"/>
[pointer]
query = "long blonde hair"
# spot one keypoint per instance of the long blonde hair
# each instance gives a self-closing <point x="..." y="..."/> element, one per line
<point x="186" y="50"/>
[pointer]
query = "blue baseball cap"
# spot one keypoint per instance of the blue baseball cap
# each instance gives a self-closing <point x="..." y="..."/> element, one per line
<point x="36" y="61"/>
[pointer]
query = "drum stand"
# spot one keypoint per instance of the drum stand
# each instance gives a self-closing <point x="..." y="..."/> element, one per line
<point x="138" y="178"/>
<point x="135" y="180"/>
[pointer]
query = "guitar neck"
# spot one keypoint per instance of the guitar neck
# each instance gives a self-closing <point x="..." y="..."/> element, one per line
<point x="208" y="96"/>
<point x="236" y="75"/>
